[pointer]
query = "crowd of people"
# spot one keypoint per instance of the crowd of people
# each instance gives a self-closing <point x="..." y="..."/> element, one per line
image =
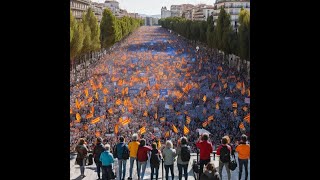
<point x="140" y="154"/>
<point x="156" y="81"/>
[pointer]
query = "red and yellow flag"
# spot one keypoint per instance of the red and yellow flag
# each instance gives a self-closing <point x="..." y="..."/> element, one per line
<point x="167" y="134"/>
<point x="78" y="117"/>
<point x="241" y="126"/>
<point x="235" y="105"/>
<point x="97" y="95"/>
<point x="174" y="129"/>
<point x="88" y="116"/>
<point x="96" y="120"/>
<point x="210" y="118"/>
<point x="110" y="111"/>
<point x="98" y="134"/>
<point x="204" y="98"/>
<point x="125" y="122"/>
<point x="92" y="109"/>
<point x="185" y="130"/>
<point x="86" y="92"/>
<point x="105" y="91"/>
<point x="77" y="104"/>
<point x="145" y="113"/>
<point x="247" y="118"/>
<point x="90" y="99"/>
<point x="217" y="106"/>
<point x="204" y="124"/>
<point x="162" y="119"/>
<point x="105" y="99"/>
<point x="143" y="130"/>
<point x="118" y="102"/>
<point x="116" y="129"/>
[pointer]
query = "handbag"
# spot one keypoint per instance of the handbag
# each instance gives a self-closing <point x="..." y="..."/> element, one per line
<point x="233" y="164"/>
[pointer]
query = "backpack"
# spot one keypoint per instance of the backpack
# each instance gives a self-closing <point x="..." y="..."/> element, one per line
<point x="155" y="159"/>
<point x="125" y="152"/>
<point x="185" y="154"/>
<point x="224" y="154"/>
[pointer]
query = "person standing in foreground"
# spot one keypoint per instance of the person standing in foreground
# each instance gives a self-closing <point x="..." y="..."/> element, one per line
<point x="206" y="149"/>
<point x="97" y="150"/>
<point x="82" y="151"/>
<point x="183" y="152"/>
<point x="169" y="155"/>
<point x="106" y="159"/>
<point x="243" y="150"/>
<point x="224" y="151"/>
<point x="122" y="151"/>
<point x="142" y="157"/>
<point x="155" y="160"/>
<point x="133" y="148"/>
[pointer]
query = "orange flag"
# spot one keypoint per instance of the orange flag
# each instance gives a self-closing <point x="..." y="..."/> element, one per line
<point x="247" y="118"/>
<point x="204" y="124"/>
<point x="116" y="129"/>
<point x="241" y="126"/>
<point x="185" y="130"/>
<point x="86" y="91"/>
<point x="167" y="134"/>
<point x="145" y="113"/>
<point x="78" y="117"/>
<point x="210" y="118"/>
<point x="118" y="102"/>
<point x="125" y="122"/>
<point x="77" y="104"/>
<point x="92" y="110"/>
<point x="96" y="120"/>
<point x="162" y="119"/>
<point x="188" y="120"/>
<point x="100" y="85"/>
<point x="70" y="111"/>
<point x="89" y="116"/>
<point x="105" y="91"/>
<point x="142" y="130"/>
<point x="97" y="133"/>
<point x="90" y="99"/>
<point x="204" y="98"/>
<point x="97" y="96"/>
<point x="217" y="106"/>
<point x="174" y="128"/>
<point x="105" y="99"/>
<point x="110" y="111"/>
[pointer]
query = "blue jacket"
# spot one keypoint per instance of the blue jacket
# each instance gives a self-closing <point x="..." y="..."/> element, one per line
<point x="106" y="158"/>
<point x="120" y="147"/>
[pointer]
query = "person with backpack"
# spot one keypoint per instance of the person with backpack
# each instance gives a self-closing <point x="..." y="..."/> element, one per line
<point x="183" y="152"/>
<point x="169" y="155"/>
<point x="133" y="148"/>
<point x="82" y="151"/>
<point x="142" y="157"/>
<point x="107" y="160"/>
<point x="243" y="150"/>
<point x="155" y="160"/>
<point x="206" y="149"/>
<point x="122" y="151"/>
<point x="224" y="151"/>
<point x="97" y="150"/>
<point x="210" y="173"/>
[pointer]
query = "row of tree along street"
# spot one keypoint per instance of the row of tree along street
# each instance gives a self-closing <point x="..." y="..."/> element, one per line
<point x="87" y="39"/>
<point x="222" y="36"/>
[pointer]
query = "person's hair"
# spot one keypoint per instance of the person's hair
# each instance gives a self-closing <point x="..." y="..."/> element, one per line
<point x="154" y="145"/>
<point x="224" y="140"/>
<point x="183" y="140"/>
<point x="244" y="138"/>
<point x="81" y="141"/>
<point x="121" y="138"/>
<point x="205" y="137"/>
<point x="99" y="140"/>
<point x="142" y="142"/>
<point x="169" y="144"/>
<point x="134" y="137"/>
<point x="210" y="167"/>
<point x="107" y="147"/>
<point x="228" y="139"/>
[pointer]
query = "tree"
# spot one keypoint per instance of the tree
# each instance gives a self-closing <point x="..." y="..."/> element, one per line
<point x="91" y="21"/>
<point x="76" y="42"/>
<point x="72" y="26"/>
<point x="244" y="34"/>
<point x="107" y="28"/>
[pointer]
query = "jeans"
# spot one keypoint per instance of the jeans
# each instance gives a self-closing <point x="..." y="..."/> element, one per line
<point x="122" y="168"/>
<point x="183" y="167"/>
<point x="167" y="171"/>
<point x="99" y="166"/>
<point x="202" y="163"/>
<point x="156" y="169"/>
<point x="82" y="166"/>
<point x="144" y="165"/>
<point x="106" y="172"/>
<point x="243" y="162"/>
<point x="132" y="159"/>
<point x="221" y="164"/>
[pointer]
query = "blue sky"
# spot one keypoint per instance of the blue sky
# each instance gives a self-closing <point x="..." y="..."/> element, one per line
<point x="153" y="7"/>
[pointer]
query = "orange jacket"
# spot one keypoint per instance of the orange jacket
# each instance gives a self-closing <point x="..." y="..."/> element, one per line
<point x="243" y="151"/>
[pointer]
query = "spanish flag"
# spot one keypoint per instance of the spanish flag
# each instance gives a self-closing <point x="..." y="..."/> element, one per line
<point x="105" y="99"/>
<point x="167" y="134"/>
<point x="210" y="118"/>
<point x="204" y="124"/>
<point x="96" y="120"/>
<point x="92" y="110"/>
<point x="100" y="85"/>
<point x="143" y="130"/>
<point x="235" y="105"/>
<point x="247" y="118"/>
<point x="174" y="128"/>
<point x="97" y="95"/>
<point x="188" y="120"/>
<point x="185" y="130"/>
<point x="241" y="126"/>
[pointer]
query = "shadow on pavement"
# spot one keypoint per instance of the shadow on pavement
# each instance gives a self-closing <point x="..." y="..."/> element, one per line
<point x="78" y="178"/>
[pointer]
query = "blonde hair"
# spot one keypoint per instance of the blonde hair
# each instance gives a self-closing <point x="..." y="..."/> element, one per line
<point x="169" y="144"/>
<point x="107" y="146"/>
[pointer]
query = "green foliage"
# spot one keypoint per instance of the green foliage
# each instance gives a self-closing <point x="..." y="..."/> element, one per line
<point x="244" y="35"/>
<point x="77" y="39"/>
<point x="107" y="27"/>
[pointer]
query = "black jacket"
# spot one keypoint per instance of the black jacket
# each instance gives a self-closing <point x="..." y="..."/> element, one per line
<point x="98" y="149"/>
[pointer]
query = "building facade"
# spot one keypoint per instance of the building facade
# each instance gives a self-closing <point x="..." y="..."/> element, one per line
<point x="232" y="7"/>
<point x="165" y="13"/>
<point x="97" y="10"/>
<point x="79" y="7"/>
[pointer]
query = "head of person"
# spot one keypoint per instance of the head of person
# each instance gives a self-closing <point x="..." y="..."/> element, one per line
<point x="154" y="145"/>
<point x="183" y="141"/>
<point x="81" y="141"/>
<point x="169" y="144"/>
<point x="244" y="138"/>
<point x="107" y="147"/>
<point x="135" y="137"/>
<point x="99" y="140"/>
<point x="142" y="142"/>
<point x="210" y="167"/>
<point x="205" y="137"/>
<point x="228" y="139"/>
<point x="224" y="140"/>
<point x="121" y="139"/>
